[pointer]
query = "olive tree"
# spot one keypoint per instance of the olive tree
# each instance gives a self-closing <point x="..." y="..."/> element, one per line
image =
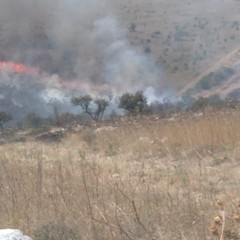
<point x="95" y="108"/>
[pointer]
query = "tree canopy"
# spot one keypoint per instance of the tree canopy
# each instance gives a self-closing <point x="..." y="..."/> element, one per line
<point x="133" y="103"/>
<point x="95" y="108"/>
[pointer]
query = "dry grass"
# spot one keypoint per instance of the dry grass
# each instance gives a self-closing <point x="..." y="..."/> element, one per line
<point x="140" y="179"/>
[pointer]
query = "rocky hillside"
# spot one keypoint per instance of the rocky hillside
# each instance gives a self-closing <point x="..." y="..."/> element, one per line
<point x="188" y="38"/>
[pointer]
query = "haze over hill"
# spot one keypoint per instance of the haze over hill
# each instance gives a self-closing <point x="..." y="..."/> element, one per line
<point x="110" y="47"/>
<point x="78" y="47"/>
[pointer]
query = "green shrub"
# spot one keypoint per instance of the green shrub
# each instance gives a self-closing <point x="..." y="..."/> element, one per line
<point x="4" y="117"/>
<point x="133" y="103"/>
<point x="202" y="102"/>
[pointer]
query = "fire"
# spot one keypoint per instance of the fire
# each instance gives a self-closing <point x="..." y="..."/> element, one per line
<point x="17" y="68"/>
<point x="20" y="68"/>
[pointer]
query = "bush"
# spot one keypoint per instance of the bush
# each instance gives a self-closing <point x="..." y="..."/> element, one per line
<point x="206" y="82"/>
<point x="66" y="118"/>
<point x="133" y="103"/>
<point x="235" y="94"/>
<point x="133" y="27"/>
<point x="202" y="102"/>
<point x="4" y="117"/>
<point x="165" y="108"/>
<point x="33" y="120"/>
<point x="56" y="231"/>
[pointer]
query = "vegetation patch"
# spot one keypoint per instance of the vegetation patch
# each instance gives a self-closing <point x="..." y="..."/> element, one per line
<point x="235" y="94"/>
<point x="214" y="79"/>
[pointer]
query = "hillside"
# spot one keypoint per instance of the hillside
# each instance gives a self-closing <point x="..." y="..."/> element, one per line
<point x="216" y="80"/>
<point x="186" y="38"/>
<point x="169" y="171"/>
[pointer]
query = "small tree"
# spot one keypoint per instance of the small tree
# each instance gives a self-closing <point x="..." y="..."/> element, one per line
<point x="101" y="104"/>
<point x="94" y="108"/>
<point x="84" y="102"/>
<point x="133" y="27"/>
<point x="4" y="117"/>
<point x="133" y="103"/>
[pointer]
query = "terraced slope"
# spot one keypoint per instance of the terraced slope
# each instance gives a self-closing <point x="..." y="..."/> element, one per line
<point x="187" y="38"/>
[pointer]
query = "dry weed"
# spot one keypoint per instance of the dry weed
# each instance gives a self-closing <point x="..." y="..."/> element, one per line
<point x="150" y="179"/>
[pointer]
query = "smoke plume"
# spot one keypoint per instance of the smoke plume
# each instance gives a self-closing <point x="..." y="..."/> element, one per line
<point x="77" y="46"/>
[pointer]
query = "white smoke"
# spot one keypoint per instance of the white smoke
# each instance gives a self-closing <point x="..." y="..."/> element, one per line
<point x="76" y="42"/>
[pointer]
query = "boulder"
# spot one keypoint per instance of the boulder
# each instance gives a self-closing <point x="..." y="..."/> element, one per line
<point x="55" y="135"/>
<point x="12" y="234"/>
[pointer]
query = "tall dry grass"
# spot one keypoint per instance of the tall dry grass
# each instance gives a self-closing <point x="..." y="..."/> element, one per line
<point x="140" y="179"/>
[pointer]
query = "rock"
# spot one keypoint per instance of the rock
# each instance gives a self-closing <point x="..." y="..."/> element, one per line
<point x="106" y="128"/>
<point x="54" y="135"/>
<point x="77" y="128"/>
<point x="12" y="234"/>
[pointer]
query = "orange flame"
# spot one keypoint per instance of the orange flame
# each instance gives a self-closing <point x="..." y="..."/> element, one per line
<point x="17" y="68"/>
<point x="13" y="67"/>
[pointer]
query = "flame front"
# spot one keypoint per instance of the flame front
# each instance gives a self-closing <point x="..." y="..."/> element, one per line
<point x="17" y="68"/>
<point x="20" y="68"/>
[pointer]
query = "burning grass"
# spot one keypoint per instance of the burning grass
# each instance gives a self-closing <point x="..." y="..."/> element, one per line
<point x="145" y="178"/>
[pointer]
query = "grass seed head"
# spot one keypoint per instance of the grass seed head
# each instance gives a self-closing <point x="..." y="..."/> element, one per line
<point x="220" y="203"/>
<point x="217" y="220"/>
<point x="214" y="229"/>
<point x="237" y="218"/>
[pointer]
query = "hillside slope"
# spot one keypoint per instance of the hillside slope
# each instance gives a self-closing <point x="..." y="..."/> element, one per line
<point x="186" y="37"/>
<point x="222" y="88"/>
